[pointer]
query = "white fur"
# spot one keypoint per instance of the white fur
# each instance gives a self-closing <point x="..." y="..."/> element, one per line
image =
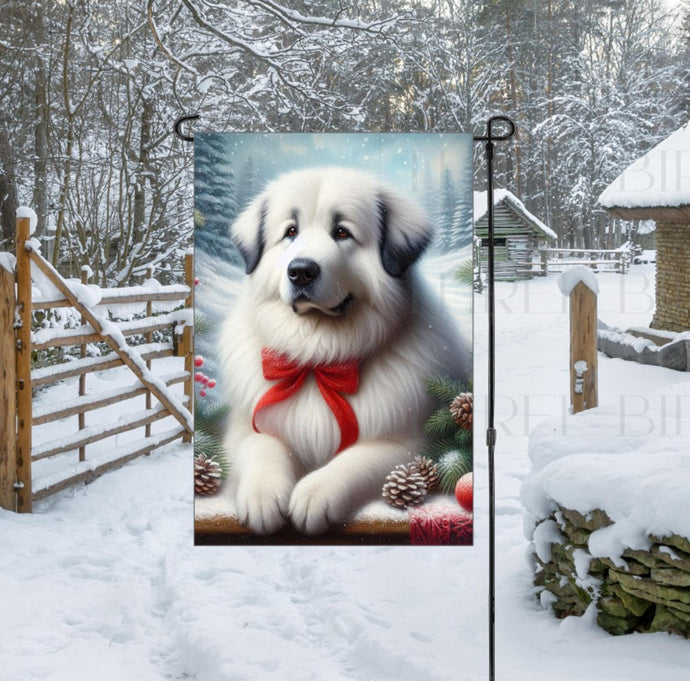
<point x="394" y="326"/>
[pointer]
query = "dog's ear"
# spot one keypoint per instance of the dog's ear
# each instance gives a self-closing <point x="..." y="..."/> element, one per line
<point x="248" y="233"/>
<point x="404" y="234"/>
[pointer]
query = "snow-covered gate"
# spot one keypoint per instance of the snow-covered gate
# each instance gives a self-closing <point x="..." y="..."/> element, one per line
<point x="19" y="414"/>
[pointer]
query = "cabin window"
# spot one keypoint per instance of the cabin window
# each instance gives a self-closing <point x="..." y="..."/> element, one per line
<point x="500" y="241"/>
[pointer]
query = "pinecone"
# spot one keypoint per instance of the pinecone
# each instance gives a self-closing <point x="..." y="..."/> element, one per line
<point x="207" y="475"/>
<point x="461" y="409"/>
<point x="404" y="487"/>
<point x="428" y="469"/>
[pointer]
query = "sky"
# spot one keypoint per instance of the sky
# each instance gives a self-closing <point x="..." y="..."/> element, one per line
<point x="405" y="160"/>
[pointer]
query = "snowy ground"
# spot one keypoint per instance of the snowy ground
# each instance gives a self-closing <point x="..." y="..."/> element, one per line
<point x="103" y="581"/>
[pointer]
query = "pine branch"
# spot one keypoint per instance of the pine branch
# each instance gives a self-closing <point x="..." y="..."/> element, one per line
<point x="436" y="448"/>
<point x="440" y="423"/>
<point x="211" y="448"/>
<point x="210" y="416"/>
<point x="444" y="388"/>
<point x="451" y="467"/>
<point x="465" y="273"/>
<point x="202" y="325"/>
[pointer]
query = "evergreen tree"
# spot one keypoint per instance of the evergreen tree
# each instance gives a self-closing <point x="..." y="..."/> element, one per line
<point x="214" y="197"/>
<point x="248" y="184"/>
<point x="446" y="212"/>
<point x="462" y="225"/>
<point x="463" y="218"/>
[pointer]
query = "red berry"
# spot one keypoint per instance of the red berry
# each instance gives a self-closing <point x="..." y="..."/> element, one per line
<point x="196" y="281"/>
<point x="464" y="491"/>
<point x="198" y="361"/>
<point x="211" y="384"/>
<point x="202" y="393"/>
<point x="198" y="377"/>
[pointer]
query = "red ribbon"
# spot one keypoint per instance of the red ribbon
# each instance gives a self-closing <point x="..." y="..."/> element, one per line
<point x="332" y="379"/>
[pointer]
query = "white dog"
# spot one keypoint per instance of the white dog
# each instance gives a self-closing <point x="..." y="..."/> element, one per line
<point x="347" y="334"/>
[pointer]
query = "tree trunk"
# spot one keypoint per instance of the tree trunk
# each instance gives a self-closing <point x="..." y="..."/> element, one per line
<point x="8" y="191"/>
<point x="40" y="195"/>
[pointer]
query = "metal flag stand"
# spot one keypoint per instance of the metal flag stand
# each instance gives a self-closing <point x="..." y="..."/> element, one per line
<point x="489" y="140"/>
<point x="508" y="130"/>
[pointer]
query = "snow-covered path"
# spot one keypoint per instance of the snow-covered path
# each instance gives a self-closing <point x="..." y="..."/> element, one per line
<point x="106" y="578"/>
<point x="103" y="581"/>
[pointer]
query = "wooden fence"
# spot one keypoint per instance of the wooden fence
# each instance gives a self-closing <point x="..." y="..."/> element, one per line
<point x="19" y="414"/>
<point x="557" y="259"/>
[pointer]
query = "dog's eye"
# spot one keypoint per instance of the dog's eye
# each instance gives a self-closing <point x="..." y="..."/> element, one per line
<point x="291" y="231"/>
<point x="341" y="233"/>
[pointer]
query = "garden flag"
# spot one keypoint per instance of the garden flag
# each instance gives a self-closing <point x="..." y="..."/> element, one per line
<point x="333" y="338"/>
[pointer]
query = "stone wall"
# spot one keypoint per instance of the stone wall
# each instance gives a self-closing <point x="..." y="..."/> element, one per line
<point x="646" y="591"/>
<point x="672" y="276"/>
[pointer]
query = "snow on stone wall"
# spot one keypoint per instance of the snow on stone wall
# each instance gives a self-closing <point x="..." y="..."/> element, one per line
<point x="607" y="517"/>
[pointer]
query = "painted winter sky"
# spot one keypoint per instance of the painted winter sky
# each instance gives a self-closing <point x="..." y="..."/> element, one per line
<point x="412" y="162"/>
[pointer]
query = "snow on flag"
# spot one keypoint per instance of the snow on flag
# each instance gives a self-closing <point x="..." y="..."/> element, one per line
<point x="333" y="334"/>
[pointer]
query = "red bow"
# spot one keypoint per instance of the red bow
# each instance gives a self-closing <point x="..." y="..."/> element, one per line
<point x="332" y="379"/>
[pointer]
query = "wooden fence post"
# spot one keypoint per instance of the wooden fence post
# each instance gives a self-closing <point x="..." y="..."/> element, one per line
<point x="583" y="348"/>
<point x="23" y="354"/>
<point x="188" y="339"/>
<point x="544" y="262"/>
<point x="82" y="378"/>
<point x="148" y="337"/>
<point x="8" y="391"/>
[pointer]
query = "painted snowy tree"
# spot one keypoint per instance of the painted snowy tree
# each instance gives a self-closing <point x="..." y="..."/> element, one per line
<point x="214" y="197"/>
<point x="446" y="212"/>
<point x="462" y="226"/>
<point x="248" y="184"/>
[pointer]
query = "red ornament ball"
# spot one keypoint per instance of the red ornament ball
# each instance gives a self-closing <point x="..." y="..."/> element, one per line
<point x="464" y="491"/>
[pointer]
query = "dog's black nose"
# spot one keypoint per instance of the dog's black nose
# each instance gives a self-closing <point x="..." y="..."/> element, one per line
<point x="303" y="271"/>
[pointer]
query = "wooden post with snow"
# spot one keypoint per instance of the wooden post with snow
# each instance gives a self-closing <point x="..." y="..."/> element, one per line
<point x="23" y="354"/>
<point x="8" y="390"/>
<point x="580" y="284"/>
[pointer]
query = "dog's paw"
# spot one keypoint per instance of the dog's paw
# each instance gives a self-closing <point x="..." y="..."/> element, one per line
<point x="262" y="502"/>
<point x="315" y="504"/>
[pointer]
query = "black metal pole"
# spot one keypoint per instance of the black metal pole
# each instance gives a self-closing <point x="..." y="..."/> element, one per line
<point x="489" y="139"/>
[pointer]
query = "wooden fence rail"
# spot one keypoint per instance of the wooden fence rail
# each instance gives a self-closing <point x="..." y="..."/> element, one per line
<point x="557" y="259"/>
<point x="18" y="414"/>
